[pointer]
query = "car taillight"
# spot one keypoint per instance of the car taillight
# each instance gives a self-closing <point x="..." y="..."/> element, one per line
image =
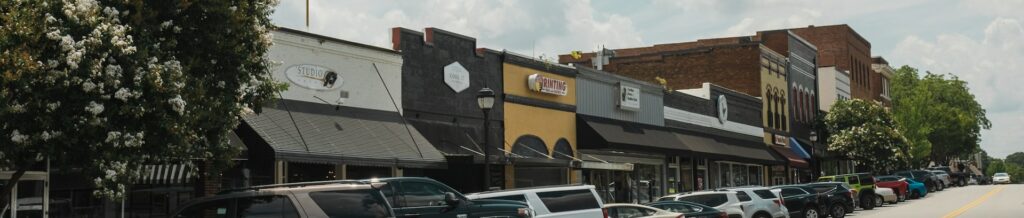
<point x="681" y="216"/>
<point x="723" y="215"/>
<point x="525" y="212"/>
<point x="779" y="202"/>
<point x="605" y="212"/>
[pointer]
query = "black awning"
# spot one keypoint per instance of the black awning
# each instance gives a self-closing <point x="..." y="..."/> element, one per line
<point x="603" y="133"/>
<point x="318" y="133"/>
<point x="722" y="150"/>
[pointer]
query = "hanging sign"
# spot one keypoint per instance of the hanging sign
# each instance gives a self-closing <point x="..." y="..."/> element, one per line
<point x="543" y="84"/>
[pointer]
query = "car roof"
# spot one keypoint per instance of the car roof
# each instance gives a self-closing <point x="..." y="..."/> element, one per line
<point x="531" y="190"/>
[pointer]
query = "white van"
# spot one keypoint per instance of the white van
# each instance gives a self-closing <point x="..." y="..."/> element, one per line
<point x="568" y="201"/>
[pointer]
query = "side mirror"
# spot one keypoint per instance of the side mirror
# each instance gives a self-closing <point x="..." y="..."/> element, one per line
<point x="451" y="199"/>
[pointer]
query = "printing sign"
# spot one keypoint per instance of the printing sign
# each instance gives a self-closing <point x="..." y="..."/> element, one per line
<point x="543" y="84"/>
<point x="313" y="77"/>
<point x="629" y="97"/>
<point x="780" y="140"/>
<point x="456" y="76"/>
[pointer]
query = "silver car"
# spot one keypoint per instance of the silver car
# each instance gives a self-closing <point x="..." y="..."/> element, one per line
<point x="943" y="178"/>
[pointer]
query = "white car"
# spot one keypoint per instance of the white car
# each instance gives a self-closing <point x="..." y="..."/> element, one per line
<point x="568" y="201"/>
<point x="1001" y="178"/>
<point x="637" y="211"/>
<point x="885" y="195"/>
<point x="747" y="202"/>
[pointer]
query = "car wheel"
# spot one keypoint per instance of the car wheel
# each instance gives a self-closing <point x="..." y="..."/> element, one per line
<point x="879" y="201"/>
<point x="901" y="197"/>
<point x="931" y="188"/>
<point x="838" y="211"/>
<point x="811" y="212"/>
<point x="867" y="202"/>
<point x="761" y="215"/>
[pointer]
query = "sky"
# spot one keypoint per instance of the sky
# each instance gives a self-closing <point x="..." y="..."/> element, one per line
<point x="979" y="41"/>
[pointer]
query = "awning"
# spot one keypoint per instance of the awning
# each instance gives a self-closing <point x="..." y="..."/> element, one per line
<point x="793" y="159"/>
<point x="716" y="149"/>
<point x="798" y="148"/>
<point x="166" y="174"/>
<point x="319" y="133"/>
<point x="615" y="134"/>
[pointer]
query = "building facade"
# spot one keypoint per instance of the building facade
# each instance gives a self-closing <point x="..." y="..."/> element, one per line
<point x="845" y="49"/>
<point x="802" y="83"/>
<point x="881" y="84"/>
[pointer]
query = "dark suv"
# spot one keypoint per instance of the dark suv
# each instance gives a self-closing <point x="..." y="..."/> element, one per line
<point x="929" y="179"/>
<point x="838" y="195"/>
<point x="378" y="198"/>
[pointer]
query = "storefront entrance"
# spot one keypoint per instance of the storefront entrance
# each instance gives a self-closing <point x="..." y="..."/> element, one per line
<point x="30" y="196"/>
<point x="731" y="174"/>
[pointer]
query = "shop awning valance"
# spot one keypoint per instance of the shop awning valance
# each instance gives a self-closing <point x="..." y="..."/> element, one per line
<point x="720" y="150"/>
<point x="792" y="158"/>
<point x="798" y="148"/>
<point x="319" y="133"/>
<point x="625" y="135"/>
<point x="166" y="174"/>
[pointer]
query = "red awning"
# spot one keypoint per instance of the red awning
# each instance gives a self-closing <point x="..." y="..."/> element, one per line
<point x="793" y="159"/>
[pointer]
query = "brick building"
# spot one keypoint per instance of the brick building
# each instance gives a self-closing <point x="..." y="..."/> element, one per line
<point x="881" y="80"/>
<point x="842" y="47"/>
<point x="803" y="92"/>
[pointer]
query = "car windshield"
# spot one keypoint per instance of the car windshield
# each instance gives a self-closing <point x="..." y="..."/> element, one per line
<point x="711" y="200"/>
<point x="1001" y="174"/>
<point x="823" y="188"/>
<point x="887" y="178"/>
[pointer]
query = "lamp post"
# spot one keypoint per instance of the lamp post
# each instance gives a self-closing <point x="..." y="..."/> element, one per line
<point x="814" y="146"/>
<point x="485" y="99"/>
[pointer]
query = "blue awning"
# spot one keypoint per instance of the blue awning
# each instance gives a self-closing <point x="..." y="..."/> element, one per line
<point x="798" y="149"/>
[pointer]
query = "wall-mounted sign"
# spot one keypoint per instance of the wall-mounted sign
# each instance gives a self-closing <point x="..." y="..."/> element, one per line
<point x="723" y="109"/>
<point x="543" y="84"/>
<point x="313" y="77"/>
<point x="629" y="97"/>
<point x="780" y="140"/>
<point x="456" y="76"/>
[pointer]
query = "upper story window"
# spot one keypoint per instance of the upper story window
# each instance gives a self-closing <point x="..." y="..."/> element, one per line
<point x="885" y="87"/>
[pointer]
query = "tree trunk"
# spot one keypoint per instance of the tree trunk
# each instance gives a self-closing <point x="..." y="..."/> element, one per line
<point x="5" y="198"/>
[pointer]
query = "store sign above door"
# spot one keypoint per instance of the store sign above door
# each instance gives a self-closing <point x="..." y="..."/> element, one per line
<point x="543" y="84"/>
<point x="629" y="97"/>
<point x="780" y="140"/>
<point x="313" y="77"/>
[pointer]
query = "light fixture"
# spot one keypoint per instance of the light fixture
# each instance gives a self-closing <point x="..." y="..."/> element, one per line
<point x="814" y="136"/>
<point x="485" y="99"/>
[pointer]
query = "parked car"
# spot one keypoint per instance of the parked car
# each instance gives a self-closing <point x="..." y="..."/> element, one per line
<point x="863" y="187"/>
<point x="1001" y="178"/>
<point x="351" y="198"/>
<point x="637" y="211"/>
<point x="689" y="209"/>
<point x="929" y="179"/>
<point x="838" y="195"/>
<point x="737" y="202"/>
<point x="960" y="178"/>
<point x="802" y="201"/>
<point x="898" y="185"/>
<point x="917" y="189"/>
<point x="943" y="177"/>
<point x="885" y="195"/>
<point x="552" y="201"/>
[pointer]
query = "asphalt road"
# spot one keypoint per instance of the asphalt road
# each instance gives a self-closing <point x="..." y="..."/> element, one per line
<point x="986" y="201"/>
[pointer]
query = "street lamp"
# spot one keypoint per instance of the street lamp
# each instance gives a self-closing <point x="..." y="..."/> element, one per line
<point x="485" y="99"/>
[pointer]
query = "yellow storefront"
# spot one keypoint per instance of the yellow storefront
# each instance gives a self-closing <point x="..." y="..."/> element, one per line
<point x="540" y="122"/>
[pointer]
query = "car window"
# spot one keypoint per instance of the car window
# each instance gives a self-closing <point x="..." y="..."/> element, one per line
<point x="867" y="180"/>
<point x="670" y="198"/>
<point x="710" y="200"/>
<point x="520" y="198"/>
<point x="266" y="207"/>
<point x="852" y="180"/>
<point x="678" y="208"/>
<point x="742" y="196"/>
<point x="630" y="212"/>
<point x="765" y="194"/>
<point x="422" y="194"/>
<point x="918" y="174"/>
<point x="351" y="203"/>
<point x="212" y="209"/>
<point x="822" y="188"/>
<point x="560" y="201"/>
<point x="786" y="192"/>
<point x="1001" y="174"/>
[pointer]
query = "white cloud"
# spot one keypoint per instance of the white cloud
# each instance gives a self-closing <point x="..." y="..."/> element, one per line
<point x="991" y="66"/>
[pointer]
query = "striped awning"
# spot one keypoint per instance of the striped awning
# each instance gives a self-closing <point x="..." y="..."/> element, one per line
<point x="166" y="174"/>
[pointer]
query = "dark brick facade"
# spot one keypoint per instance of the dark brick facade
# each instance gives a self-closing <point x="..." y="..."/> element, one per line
<point x="743" y="109"/>
<point x="802" y="78"/>
<point x="841" y="46"/>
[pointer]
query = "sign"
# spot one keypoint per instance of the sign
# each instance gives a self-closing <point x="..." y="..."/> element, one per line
<point x="629" y="97"/>
<point x="456" y="76"/>
<point x="723" y="109"/>
<point x="543" y="84"/>
<point x="780" y="140"/>
<point x="313" y="77"/>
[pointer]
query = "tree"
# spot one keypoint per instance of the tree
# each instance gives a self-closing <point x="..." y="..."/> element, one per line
<point x="866" y="132"/>
<point x="939" y="115"/>
<point x="996" y="166"/>
<point x="102" y="87"/>
<point x="1016" y="158"/>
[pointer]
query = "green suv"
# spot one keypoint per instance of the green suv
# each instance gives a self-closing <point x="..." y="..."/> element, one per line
<point x="863" y="185"/>
<point x="377" y="198"/>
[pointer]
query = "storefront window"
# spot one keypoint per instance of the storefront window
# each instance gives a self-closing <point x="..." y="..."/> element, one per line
<point x="755" y="175"/>
<point x="540" y="176"/>
<point x="649" y="186"/>
<point x="305" y="172"/>
<point x="739" y="175"/>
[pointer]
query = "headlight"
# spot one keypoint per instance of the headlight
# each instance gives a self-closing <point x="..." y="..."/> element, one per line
<point x="525" y="212"/>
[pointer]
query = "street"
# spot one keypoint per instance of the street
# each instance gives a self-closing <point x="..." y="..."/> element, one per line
<point x="970" y="201"/>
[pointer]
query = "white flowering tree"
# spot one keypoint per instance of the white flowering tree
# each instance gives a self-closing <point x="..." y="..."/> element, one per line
<point x="866" y="133"/>
<point x="103" y="87"/>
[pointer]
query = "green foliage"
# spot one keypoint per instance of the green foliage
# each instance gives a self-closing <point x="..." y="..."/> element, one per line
<point x="865" y="132"/>
<point x="1016" y="158"/>
<point x="939" y="116"/>
<point x="106" y="86"/>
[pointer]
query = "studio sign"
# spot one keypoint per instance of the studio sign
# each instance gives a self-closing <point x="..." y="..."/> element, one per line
<point x="313" y="77"/>
<point x="543" y="84"/>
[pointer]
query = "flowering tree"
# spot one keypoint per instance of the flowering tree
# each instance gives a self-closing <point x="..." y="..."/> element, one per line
<point x="103" y="87"/>
<point x="866" y="132"/>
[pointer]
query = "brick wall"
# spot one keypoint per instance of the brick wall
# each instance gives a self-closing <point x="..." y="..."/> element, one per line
<point x="735" y="67"/>
<point x="841" y="46"/>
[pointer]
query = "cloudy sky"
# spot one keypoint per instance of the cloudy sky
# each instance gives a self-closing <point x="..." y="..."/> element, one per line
<point x="981" y="41"/>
